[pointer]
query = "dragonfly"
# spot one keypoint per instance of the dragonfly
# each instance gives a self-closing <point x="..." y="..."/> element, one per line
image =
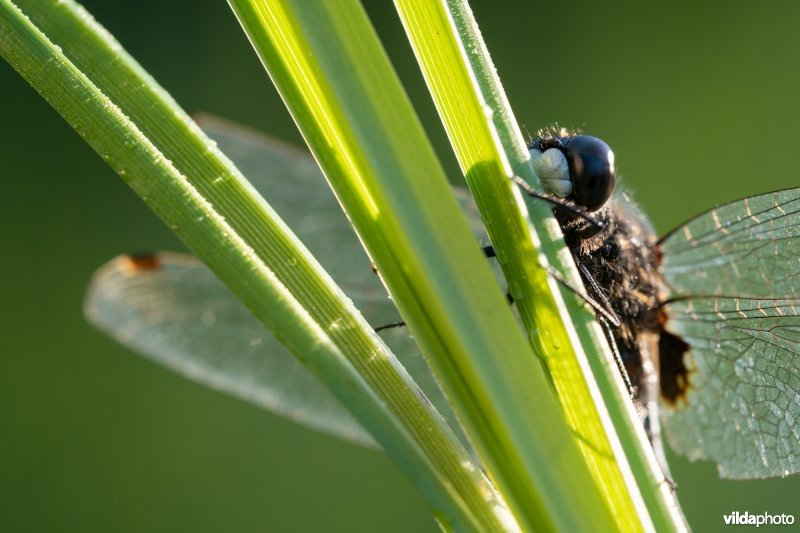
<point x="727" y="322"/>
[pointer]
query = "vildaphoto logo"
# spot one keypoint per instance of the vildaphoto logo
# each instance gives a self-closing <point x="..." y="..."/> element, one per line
<point x="764" y="519"/>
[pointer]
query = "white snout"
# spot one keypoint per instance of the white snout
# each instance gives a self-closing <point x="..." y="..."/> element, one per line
<point x="553" y="171"/>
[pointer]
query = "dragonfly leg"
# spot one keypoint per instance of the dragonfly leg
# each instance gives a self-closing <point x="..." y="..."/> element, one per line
<point x="558" y="202"/>
<point x="618" y="358"/>
<point x="607" y="317"/>
<point x="391" y="325"/>
<point x="602" y="307"/>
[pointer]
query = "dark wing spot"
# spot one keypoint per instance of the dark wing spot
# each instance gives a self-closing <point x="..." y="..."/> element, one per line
<point x="673" y="372"/>
<point x="134" y="263"/>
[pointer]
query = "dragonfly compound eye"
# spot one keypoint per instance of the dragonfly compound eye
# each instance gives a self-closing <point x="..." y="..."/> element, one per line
<point x="591" y="165"/>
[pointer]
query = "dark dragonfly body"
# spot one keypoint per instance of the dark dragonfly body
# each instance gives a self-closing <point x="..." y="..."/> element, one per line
<point x="616" y="255"/>
<point x="704" y="322"/>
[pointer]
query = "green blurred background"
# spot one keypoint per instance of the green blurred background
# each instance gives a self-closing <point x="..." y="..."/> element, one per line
<point x="698" y="100"/>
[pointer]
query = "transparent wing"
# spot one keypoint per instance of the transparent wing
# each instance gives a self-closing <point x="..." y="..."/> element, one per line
<point x="735" y="272"/>
<point x="748" y="248"/>
<point x="172" y="309"/>
<point x="742" y="407"/>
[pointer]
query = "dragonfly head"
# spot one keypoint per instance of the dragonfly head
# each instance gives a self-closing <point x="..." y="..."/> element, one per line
<point x="580" y="167"/>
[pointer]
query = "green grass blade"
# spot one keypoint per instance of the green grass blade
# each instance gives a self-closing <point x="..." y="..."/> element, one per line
<point x="347" y="101"/>
<point x="164" y="157"/>
<point x="466" y="90"/>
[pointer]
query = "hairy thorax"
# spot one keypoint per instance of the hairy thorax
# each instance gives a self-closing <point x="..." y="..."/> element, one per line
<point x="621" y="258"/>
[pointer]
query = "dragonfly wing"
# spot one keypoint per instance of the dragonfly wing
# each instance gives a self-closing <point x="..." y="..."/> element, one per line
<point x="748" y="248"/>
<point x="734" y="273"/>
<point x="742" y="405"/>
<point x="172" y="309"/>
